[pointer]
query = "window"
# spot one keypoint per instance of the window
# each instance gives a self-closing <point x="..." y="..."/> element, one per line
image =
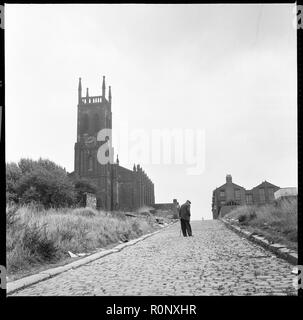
<point x="271" y="195"/>
<point x="222" y="193"/>
<point x="249" y="199"/>
<point x="222" y="203"/>
<point x="238" y="194"/>
<point x="96" y="123"/>
<point x="262" y="195"/>
<point x="84" y="124"/>
<point x="90" y="163"/>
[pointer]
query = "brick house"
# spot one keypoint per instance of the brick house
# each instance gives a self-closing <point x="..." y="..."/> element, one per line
<point x="230" y="195"/>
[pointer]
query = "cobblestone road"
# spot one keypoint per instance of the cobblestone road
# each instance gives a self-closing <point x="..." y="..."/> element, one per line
<point x="215" y="261"/>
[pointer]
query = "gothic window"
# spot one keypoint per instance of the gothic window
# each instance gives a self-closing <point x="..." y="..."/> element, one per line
<point x="262" y="195"/>
<point x="84" y="123"/>
<point x="90" y="163"/>
<point x="96" y="123"/>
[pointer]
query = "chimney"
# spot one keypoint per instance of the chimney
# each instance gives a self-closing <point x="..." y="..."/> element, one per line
<point x="229" y="178"/>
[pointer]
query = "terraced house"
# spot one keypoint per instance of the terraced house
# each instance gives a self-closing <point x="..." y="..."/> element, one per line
<point x="226" y="197"/>
<point x="119" y="188"/>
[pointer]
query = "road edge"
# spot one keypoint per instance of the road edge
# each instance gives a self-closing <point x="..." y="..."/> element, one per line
<point x="22" y="283"/>
<point x="278" y="249"/>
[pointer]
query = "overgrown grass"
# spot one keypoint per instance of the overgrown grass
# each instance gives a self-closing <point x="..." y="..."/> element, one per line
<point x="277" y="222"/>
<point x="37" y="237"/>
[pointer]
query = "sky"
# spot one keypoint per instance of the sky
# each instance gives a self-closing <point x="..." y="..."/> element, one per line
<point x="226" y="71"/>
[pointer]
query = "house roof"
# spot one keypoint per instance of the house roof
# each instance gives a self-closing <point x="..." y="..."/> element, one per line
<point x="224" y="185"/>
<point x="265" y="183"/>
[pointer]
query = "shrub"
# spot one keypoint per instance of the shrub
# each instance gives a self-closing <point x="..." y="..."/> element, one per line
<point x="242" y="218"/>
<point x="37" y="243"/>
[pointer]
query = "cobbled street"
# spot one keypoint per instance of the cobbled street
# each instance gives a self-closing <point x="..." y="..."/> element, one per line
<point x="215" y="261"/>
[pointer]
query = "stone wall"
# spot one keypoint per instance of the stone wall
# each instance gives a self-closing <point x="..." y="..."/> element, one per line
<point x="91" y="200"/>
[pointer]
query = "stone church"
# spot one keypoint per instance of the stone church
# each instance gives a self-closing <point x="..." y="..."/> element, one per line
<point x="118" y="188"/>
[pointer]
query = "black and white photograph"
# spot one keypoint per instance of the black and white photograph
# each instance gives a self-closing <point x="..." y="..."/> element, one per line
<point x="150" y="150"/>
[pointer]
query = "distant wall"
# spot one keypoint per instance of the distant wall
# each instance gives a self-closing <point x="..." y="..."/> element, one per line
<point x="91" y="200"/>
<point x="286" y="192"/>
<point x="167" y="209"/>
<point x="164" y="206"/>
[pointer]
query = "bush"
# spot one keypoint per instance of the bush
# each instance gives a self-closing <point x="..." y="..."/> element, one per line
<point x="242" y="218"/>
<point x="37" y="243"/>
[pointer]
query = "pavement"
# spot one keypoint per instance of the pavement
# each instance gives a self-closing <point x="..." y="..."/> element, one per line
<point x="215" y="261"/>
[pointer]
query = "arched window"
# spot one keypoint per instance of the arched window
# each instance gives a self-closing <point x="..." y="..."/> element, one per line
<point x="96" y="122"/>
<point x="90" y="163"/>
<point x="84" y="123"/>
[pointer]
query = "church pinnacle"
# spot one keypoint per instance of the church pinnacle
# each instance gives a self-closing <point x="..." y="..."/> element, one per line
<point x="103" y="87"/>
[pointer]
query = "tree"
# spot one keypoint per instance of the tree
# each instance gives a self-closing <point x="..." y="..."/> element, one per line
<point x="50" y="188"/>
<point x="26" y="165"/>
<point x="13" y="174"/>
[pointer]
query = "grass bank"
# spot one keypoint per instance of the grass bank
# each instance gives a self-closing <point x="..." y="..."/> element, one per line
<point x="277" y="222"/>
<point x="36" y="238"/>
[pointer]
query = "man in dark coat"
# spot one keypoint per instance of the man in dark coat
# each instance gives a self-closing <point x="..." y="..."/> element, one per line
<point x="184" y="215"/>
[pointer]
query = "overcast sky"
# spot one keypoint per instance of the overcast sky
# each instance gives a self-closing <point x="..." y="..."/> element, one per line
<point x="228" y="70"/>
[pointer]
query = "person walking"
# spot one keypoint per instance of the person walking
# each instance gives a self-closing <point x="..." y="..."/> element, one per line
<point x="184" y="215"/>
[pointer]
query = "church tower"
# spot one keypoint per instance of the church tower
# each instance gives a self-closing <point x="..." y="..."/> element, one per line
<point x="94" y="114"/>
